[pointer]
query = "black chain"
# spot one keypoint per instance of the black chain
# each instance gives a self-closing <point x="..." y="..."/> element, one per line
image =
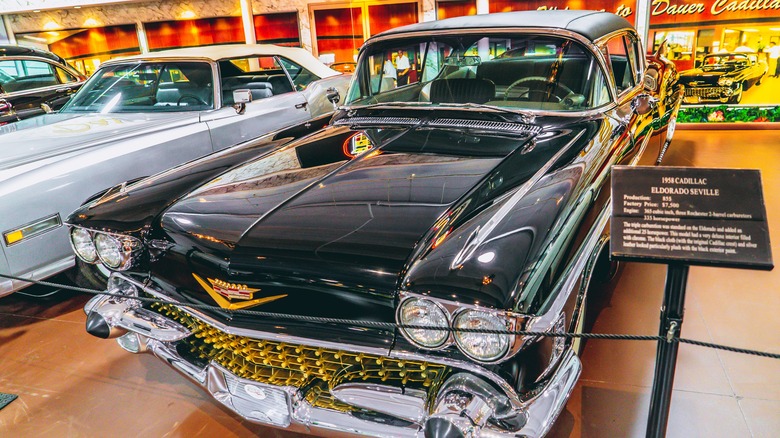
<point x="393" y="326"/>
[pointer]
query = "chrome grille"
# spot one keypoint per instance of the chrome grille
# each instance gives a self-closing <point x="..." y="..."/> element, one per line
<point x="314" y="369"/>
<point x="706" y="91"/>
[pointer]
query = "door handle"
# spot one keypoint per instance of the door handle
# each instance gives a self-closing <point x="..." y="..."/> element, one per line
<point x="301" y="105"/>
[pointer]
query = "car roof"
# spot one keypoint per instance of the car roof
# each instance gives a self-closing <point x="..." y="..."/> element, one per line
<point x="231" y="51"/>
<point x="590" y="24"/>
<point x="730" y="53"/>
<point x="7" y="50"/>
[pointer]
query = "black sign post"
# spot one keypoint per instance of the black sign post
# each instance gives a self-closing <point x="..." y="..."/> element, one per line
<point x="684" y="216"/>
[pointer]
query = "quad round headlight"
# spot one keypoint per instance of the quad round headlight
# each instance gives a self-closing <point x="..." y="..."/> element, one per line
<point x="116" y="252"/>
<point x="484" y="347"/>
<point x="725" y="82"/>
<point x="422" y="312"/>
<point x="83" y="245"/>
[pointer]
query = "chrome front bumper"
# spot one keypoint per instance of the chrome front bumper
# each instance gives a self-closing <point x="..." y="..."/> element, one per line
<point x="468" y="400"/>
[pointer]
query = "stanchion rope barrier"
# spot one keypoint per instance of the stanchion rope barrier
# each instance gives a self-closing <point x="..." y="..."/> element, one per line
<point x="392" y="325"/>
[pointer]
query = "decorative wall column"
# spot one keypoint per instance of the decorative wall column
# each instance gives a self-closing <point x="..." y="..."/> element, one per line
<point x="248" y="20"/>
<point x="429" y="10"/>
<point x="483" y="7"/>
<point x="643" y="20"/>
<point x="6" y="35"/>
<point x="143" y="43"/>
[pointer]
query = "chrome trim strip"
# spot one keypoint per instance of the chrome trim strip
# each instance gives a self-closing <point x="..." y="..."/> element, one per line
<point x="19" y="93"/>
<point x="362" y="120"/>
<point x="486" y="125"/>
<point x="546" y="405"/>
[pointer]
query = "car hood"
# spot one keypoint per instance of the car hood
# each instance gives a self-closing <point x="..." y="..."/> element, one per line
<point x="320" y="234"/>
<point x="43" y="138"/>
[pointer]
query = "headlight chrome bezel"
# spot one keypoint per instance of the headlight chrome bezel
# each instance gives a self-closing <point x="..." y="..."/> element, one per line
<point x="725" y="82"/>
<point x="501" y="324"/>
<point x="447" y="339"/>
<point x="510" y="320"/>
<point x="86" y="235"/>
<point x="128" y="249"/>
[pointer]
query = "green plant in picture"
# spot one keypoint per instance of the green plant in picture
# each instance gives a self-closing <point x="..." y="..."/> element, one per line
<point x="728" y="114"/>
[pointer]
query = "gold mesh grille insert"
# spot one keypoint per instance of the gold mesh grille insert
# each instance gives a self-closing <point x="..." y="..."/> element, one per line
<point x="314" y="370"/>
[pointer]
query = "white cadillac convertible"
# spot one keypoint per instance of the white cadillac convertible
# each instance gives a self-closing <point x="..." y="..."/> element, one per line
<point x="138" y="116"/>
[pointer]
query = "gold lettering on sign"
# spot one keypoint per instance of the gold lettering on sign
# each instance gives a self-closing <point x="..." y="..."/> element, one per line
<point x="665" y="7"/>
<point x="622" y="10"/>
<point x="721" y="6"/>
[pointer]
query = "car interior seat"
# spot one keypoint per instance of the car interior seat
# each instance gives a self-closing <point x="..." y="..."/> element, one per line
<point x="461" y="90"/>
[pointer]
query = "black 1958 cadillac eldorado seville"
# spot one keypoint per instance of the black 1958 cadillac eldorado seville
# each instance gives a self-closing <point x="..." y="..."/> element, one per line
<point x="722" y="77"/>
<point x="474" y="197"/>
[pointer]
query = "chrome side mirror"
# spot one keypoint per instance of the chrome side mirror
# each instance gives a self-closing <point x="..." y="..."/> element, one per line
<point x="5" y="106"/>
<point x="644" y="104"/>
<point x="650" y="81"/>
<point x="240" y="98"/>
<point x="333" y="97"/>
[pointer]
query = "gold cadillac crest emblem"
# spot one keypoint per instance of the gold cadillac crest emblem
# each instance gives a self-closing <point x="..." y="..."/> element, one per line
<point x="224" y="293"/>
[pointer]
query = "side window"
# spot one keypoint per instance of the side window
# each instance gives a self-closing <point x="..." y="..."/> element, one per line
<point x="622" y="70"/>
<point x="262" y="75"/>
<point x="300" y="76"/>
<point x="26" y="74"/>
<point x="634" y="57"/>
<point x="64" y="76"/>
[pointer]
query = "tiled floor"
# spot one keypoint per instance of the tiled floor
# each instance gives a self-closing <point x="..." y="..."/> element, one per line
<point x="71" y="384"/>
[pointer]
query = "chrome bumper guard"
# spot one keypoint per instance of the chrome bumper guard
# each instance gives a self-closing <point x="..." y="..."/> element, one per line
<point x="465" y="403"/>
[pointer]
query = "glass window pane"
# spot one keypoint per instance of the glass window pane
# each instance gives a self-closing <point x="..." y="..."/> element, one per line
<point x="146" y="87"/>
<point x="524" y="71"/>
<point x="299" y="75"/>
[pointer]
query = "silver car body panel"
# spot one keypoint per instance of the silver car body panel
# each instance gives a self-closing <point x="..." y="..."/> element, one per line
<point x="52" y="164"/>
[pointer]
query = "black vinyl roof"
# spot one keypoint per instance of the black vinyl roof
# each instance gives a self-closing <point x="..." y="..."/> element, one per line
<point x="591" y="24"/>
<point x="7" y="50"/>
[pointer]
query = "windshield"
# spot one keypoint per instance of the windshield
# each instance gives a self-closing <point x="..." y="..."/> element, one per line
<point x="514" y="71"/>
<point x="726" y="59"/>
<point x="146" y="87"/>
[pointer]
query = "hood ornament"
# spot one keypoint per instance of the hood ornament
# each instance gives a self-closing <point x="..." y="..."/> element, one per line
<point x="224" y="293"/>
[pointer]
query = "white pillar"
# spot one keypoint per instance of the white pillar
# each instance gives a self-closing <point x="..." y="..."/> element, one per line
<point x="5" y="31"/>
<point x="483" y="7"/>
<point x="143" y="43"/>
<point x="248" y="20"/>
<point x="643" y="21"/>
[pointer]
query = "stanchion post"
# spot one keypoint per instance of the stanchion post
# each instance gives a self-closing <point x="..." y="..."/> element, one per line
<point x="666" y="353"/>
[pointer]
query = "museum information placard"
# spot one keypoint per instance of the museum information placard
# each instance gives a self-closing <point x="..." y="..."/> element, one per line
<point x="713" y="217"/>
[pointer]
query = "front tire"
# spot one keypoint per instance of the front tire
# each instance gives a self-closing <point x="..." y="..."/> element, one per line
<point x="89" y="276"/>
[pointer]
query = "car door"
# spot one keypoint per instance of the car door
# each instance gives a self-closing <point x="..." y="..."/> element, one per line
<point x="275" y="102"/>
<point x="32" y="87"/>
